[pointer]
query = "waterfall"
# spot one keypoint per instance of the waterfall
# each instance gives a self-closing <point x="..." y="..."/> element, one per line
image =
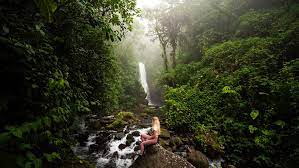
<point x="143" y="81"/>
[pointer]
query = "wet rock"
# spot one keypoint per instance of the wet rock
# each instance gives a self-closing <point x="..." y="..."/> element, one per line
<point x="127" y="156"/>
<point x="102" y="138"/>
<point x="126" y="131"/>
<point x="137" y="148"/>
<point x="122" y="146"/>
<point x="157" y="157"/>
<point x="129" y="140"/>
<point x="119" y="136"/>
<point x="138" y="143"/>
<point x="197" y="158"/>
<point x="111" y="164"/>
<point x="82" y="138"/>
<point x="164" y="133"/>
<point x="115" y="155"/>
<point x="136" y="133"/>
<point x="93" y="148"/>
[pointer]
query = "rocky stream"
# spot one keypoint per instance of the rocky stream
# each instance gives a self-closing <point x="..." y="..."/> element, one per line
<point x="110" y="147"/>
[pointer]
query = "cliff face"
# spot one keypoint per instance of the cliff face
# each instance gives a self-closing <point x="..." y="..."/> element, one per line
<point x="158" y="157"/>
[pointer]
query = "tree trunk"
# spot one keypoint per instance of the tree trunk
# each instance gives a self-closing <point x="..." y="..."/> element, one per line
<point x="173" y="55"/>
<point x="164" y="56"/>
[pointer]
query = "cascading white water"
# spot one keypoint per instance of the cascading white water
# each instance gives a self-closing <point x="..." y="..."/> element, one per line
<point x="143" y="81"/>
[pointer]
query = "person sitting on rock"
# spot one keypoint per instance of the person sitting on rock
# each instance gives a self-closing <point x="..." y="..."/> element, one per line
<point x="153" y="137"/>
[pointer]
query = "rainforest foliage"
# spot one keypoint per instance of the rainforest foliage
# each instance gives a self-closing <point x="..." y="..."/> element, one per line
<point x="58" y="62"/>
<point x="236" y="83"/>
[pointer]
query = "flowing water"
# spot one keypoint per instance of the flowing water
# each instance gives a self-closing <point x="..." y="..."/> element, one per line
<point x="111" y="155"/>
<point x="143" y="81"/>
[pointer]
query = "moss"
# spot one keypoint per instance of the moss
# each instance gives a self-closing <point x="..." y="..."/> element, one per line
<point x="164" y="133"/>
<point x="149" y="110"/>
<point x="122" y="118"/>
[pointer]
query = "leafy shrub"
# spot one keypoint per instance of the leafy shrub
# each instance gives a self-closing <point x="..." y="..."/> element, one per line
<point x="241" y="95"/>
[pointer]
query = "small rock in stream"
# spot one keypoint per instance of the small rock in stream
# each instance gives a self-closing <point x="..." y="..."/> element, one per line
<point x="119" y="136"/>
<point x="121" y="146"/>
<point x="137" y="148"/>
<point x="93" y="148"/>
<point x="136" y="133"/>
<point x="115" y="155"/>
<point x="138" y="143"/>
<point x="130" y="139"/>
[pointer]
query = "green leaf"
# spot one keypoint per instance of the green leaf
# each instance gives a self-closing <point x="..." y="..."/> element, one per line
<point x="51" y="157"/>
<point x="17" y="133"/>
<point x="254" y="114"/>
<point x="252" y="129"/>
<point x="280" y="123"/>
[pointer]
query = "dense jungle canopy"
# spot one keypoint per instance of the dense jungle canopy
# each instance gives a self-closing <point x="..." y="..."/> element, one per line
<point x="225" y="73"/>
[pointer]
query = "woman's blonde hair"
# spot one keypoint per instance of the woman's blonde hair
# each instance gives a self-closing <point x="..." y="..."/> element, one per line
<point x="156" y="124"/>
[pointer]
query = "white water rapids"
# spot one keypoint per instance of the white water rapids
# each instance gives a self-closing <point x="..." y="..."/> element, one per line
<point x="103" y="159"/>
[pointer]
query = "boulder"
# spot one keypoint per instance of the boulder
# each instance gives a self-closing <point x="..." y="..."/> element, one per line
<point x="197" y="158"/>
<point x="158" y="157"/>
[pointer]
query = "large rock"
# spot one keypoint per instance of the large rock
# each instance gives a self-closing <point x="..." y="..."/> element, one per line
<point x="197" y="158"/>
<point x="158" y="157"/>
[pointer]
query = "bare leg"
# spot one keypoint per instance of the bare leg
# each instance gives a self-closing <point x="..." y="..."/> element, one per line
<point x="144" y="137"/>
<point x="147" y="142"/>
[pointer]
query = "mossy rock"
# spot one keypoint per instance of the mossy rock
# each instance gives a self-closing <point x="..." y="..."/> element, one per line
<point x="164" y="133"/>
<point x="122" y="119"/>
<point x="175" y="141"/>
<point x="164" y="143"/>
<point x="210" y="142"/>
